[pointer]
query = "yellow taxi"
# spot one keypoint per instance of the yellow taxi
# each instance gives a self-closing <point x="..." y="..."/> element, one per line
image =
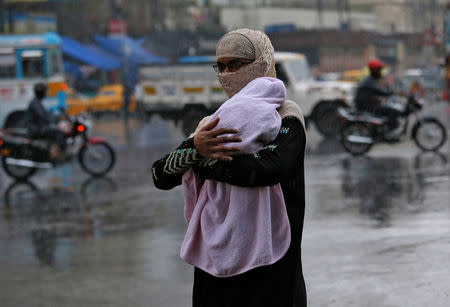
<point x="76" y="103"/>
<point x="109" y="98"/>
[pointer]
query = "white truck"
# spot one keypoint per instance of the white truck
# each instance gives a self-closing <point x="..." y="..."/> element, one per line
<point x="189" y="90"/>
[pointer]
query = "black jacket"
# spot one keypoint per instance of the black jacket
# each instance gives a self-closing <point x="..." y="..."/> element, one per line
<point x="368" y="94"/>
<point x="37" y="117"/>
<point x="282" y="161"/>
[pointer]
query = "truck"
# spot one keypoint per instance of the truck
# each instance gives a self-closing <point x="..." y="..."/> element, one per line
<point x="189" y="90"/>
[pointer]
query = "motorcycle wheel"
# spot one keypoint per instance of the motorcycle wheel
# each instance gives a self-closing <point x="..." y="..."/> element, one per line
<point x="17" y="172"/>
<point x="327" y="121"/>
<point x="97" y="159"/>
<point x="429" y="134"/>
<point x="358" y="130"/>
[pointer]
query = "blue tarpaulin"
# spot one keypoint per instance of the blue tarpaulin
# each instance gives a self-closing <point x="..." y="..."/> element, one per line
<point x="73" y="69"/>
<point x="103" y="52"/>
<point x="130" y="49"/>
<point x="196" y="59"/>
<point x="86" y="55"/>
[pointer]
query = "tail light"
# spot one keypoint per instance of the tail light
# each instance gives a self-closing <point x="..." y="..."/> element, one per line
<point x="1" y="142"/>
<point x="81" y="128"/>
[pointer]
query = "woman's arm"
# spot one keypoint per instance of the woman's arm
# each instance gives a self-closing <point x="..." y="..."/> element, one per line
<point x="168" y="171"/>
<point x="268" y="166"/>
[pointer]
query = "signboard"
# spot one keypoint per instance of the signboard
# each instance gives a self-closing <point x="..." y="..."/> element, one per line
<point x="117" y="26"/>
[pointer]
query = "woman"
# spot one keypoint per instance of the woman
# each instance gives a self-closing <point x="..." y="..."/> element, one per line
<point x="235" y="229"/>
<point x="244" y="55"/>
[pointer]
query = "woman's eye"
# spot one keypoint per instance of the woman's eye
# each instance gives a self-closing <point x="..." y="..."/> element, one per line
<point x="233" y="64"/>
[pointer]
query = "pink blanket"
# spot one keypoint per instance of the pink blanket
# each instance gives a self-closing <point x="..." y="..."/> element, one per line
<point x="233" y="229"/>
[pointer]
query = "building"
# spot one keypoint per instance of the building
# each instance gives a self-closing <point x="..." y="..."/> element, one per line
<point x="389" y="16"/>
<point x="261" y="18"/>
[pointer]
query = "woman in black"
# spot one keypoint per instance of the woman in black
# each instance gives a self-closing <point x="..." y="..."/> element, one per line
<point x="282" y="161"/>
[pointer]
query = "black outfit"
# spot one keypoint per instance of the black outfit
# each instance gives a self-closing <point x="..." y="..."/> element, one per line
<point x="282" y="161"/>
<point x="367" y="98"/>
<point x="40" y="123"/>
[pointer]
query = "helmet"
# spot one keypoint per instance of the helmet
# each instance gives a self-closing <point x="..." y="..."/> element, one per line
<point x="376" y="64"/>
<point x="40" y="90"/>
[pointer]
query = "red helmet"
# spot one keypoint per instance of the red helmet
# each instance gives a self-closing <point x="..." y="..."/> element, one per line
<point x="376" y="64"/>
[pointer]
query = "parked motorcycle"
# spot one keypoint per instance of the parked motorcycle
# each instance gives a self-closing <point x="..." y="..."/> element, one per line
<point x="22" y="155"/>
<point x="361" y="130"/>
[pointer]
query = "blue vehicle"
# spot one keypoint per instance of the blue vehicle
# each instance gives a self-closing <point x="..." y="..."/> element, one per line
<point x="24" y="61"/>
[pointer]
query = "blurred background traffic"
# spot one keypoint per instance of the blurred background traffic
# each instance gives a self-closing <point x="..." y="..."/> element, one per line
<point x="139" y="74"/>
<point x="154" y="57"/>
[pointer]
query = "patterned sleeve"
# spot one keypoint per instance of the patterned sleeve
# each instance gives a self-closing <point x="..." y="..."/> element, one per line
<point x="269" y="166"/>
<point x="168" y="171"/>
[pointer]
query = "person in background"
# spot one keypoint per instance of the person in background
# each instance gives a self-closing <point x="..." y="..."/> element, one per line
<point x="242" y="56"/>
<point x="370" y="97"/>
<point x="41" y="124"/>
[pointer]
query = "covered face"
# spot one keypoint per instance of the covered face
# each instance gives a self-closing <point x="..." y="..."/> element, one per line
<point x="250" y="45"/>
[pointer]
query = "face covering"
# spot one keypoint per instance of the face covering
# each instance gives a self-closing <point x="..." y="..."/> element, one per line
<point x="245" y="44"/>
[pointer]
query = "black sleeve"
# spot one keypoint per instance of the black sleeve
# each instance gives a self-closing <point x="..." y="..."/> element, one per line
<point x="168" y="171"/>
<point x="267" y="167"/>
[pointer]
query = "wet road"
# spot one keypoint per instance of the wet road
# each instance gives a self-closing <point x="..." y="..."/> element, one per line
<point x="377" y="229"/>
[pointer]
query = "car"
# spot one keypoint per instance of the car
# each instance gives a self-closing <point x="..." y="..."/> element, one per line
<point x="110" y="98"/>
<point x="76" y="102"/>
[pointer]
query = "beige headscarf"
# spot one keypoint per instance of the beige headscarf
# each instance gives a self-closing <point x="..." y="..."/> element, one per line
<point x="254" y="45"/>
<point x="246" y="44"/>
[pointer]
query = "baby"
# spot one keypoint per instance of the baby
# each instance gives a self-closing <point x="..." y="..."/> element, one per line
<point x="234" y="229"/>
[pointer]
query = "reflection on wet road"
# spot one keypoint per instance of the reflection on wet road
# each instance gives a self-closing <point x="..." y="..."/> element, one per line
<point x="376" y="229"/>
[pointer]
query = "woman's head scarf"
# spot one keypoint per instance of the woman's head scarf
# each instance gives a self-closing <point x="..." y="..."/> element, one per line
<point x="245" y="44"/>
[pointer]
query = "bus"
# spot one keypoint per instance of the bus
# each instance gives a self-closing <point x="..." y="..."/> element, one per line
<point x="24" y="61"/>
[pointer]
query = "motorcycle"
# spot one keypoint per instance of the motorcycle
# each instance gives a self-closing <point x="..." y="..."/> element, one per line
<point x="361" y="130"/>
<point x="23" y="155"/>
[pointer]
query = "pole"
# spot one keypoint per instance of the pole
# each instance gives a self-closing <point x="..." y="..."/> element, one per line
<point x="118" y="13"/>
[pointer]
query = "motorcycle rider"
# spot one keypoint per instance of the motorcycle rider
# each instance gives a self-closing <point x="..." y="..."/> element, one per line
<point x="369" y="94"/>
<point x="42" y="124"/>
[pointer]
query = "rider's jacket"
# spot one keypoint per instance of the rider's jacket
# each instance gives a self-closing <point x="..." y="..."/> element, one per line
<point x="368" y="93"/>
<point x="37" y="117"/>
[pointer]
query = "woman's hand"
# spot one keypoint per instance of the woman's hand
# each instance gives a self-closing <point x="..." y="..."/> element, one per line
<point x="209" y="142"/>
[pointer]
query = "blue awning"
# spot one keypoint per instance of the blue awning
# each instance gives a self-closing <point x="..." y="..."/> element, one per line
<point x="86" y="55"/>
<point x="130" y="48"/>
<point x="73" y="69"/>
<point x="197" y="59"/>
